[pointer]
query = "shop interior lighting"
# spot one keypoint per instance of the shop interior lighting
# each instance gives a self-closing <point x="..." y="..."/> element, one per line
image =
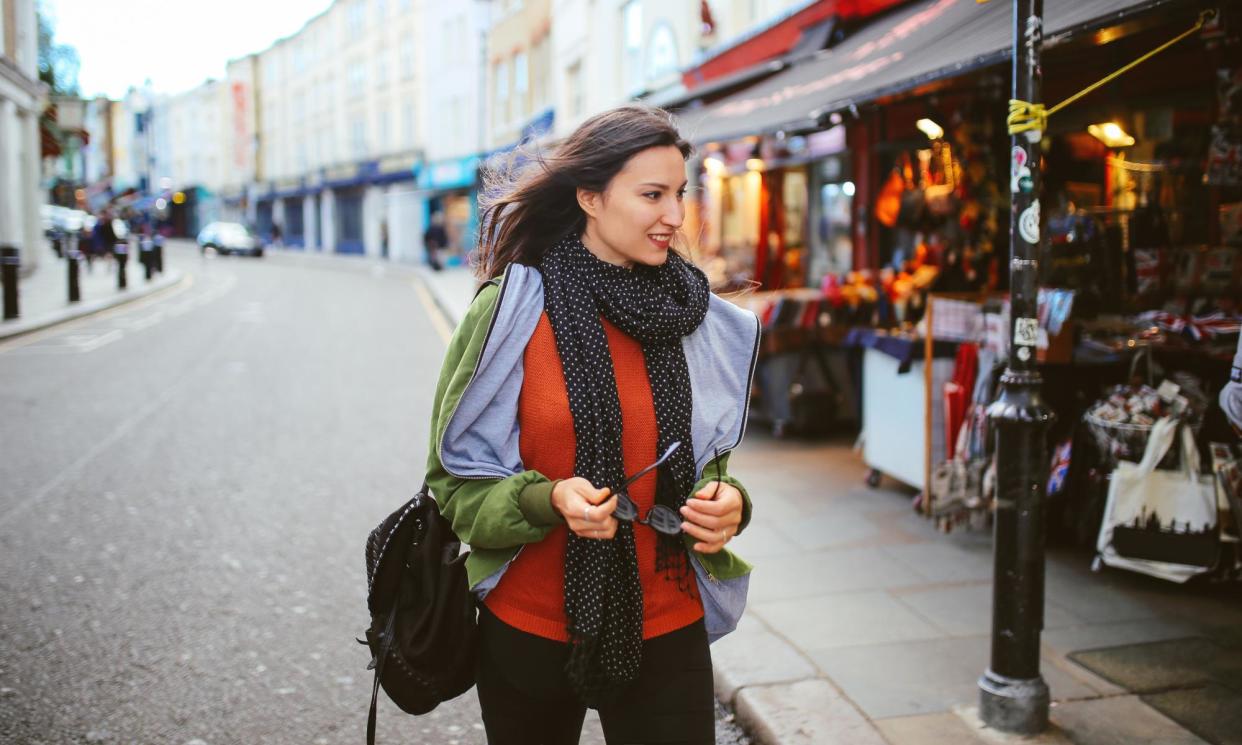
<point x="1111" y="134"/>
<point x="933" y="130"/>
<point x="714" y="166"/>
<point x="754" y="164"/>
<point x="848" y="188"/>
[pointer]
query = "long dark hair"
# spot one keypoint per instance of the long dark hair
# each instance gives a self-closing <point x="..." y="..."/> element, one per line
<point x="525" y="210"/>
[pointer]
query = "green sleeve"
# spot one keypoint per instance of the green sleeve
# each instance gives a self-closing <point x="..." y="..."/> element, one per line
<point x="719" y="471"/>
<point x="488" y="512"/>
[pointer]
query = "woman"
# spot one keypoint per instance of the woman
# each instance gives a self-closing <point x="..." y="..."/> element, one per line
<point x="593" y="350"/>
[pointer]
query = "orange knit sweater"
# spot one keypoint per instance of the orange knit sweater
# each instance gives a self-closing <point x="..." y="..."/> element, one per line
<point x="531" y="594"/>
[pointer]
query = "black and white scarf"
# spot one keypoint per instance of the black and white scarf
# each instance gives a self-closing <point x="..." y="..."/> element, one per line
<point x="657" y="306"/>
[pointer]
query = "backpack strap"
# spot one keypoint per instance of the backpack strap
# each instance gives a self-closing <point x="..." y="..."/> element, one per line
<point x="380" y="657"/>
<point x="483" y="286"/>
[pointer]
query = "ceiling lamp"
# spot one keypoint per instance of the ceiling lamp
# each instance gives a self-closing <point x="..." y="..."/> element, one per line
<point x="933" y="130"/>
<point x="1111" y="134"/>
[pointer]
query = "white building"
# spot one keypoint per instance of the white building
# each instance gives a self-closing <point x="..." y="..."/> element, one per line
<point x="21" y="99"/>
<point x="339" y="128"/>
<point x="454" y="46"/>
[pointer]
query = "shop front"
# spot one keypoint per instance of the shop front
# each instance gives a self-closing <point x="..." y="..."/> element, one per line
<point x="899" y="264"/>
<point x="449" y="193"/>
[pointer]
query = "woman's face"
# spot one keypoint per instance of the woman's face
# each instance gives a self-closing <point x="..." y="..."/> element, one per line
<point x="633" y="220"/>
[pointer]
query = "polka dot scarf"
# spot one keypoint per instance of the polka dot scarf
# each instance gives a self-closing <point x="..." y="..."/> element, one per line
<point x="657" y="306"/>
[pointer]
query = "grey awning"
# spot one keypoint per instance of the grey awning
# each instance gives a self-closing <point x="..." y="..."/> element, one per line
<point x="922" y="42"/>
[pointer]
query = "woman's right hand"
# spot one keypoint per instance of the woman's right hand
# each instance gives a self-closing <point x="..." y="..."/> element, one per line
<point x="586" y="510"/>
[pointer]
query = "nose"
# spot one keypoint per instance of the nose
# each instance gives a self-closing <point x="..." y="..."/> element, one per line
<point x="674" y="214"/>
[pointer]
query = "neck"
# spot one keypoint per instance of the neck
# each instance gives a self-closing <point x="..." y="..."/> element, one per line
<point x="602" y="251"/>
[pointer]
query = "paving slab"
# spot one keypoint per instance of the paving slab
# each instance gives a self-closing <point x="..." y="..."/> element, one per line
<point x="1096" y="636"/>
<point x="1119" y="720"/>
<point x="822" y="572"/>
<point x="962" y="726"/>
<point x="844" y="619"/>
<point x="922" y="677"/>
<point x="944" y="561"/>
<point x="1161" y="665"/>
<point x="966" y="610"/>
<point x="753" y="655"/>
<point x="810" y="712"/>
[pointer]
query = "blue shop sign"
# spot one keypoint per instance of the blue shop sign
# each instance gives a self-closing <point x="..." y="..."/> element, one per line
<point x="448" y="174"/>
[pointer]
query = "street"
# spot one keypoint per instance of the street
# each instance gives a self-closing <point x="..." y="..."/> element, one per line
<point x="189" y="481"/>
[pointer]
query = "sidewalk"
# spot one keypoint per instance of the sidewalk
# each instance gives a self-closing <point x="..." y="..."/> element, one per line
<point x="866" y="625"/>
<point x="43" y="296"/>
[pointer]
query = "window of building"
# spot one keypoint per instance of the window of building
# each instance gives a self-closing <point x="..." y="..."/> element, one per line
<point x="410" y="126"/>
<point x="407" y="58"/>
<point x="381" y="68"/>
<point x="382" y="142"/>
<point x="632" y="46"/>
<point x="573" y="86"/>
<point x="357" y="78"/>
<point x="358" y="137"/>
<point x="521" y="83"/>
<point x="661" y="53"/>
<point x="502" y="93"/>
<point x="356" y="17"/>
<point x="381" y="9"/>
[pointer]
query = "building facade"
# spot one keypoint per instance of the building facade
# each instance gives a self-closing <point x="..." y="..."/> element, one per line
<point x="21" y="100"/>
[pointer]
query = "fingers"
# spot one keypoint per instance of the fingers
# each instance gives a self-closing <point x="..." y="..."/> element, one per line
<point x="709" y="540"/>
<point x="716" y="499"/>
<point x="588" y="511"/>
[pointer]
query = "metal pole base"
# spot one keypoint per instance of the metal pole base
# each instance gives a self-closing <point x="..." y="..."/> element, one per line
<point x="1012" y="705"/>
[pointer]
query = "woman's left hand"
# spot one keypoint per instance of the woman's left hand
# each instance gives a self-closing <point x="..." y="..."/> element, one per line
<point x="712" y="516"/>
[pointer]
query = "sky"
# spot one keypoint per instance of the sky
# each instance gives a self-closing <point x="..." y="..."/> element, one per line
<point x="178" y="44"/>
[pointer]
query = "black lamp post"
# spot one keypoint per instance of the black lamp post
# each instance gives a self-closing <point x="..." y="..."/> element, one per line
<point x="1013" y="695"/>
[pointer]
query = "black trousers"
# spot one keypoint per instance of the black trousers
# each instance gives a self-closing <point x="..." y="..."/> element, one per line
<point x="526" y="699"/>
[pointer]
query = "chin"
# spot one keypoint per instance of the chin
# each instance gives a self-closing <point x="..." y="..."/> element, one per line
<point x="653" y="258"/>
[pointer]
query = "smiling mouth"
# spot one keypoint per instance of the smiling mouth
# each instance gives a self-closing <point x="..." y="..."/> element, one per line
<point x="660" y="239"/>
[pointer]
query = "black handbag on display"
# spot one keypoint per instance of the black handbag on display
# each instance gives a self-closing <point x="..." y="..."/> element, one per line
<point x="423" y="636"/>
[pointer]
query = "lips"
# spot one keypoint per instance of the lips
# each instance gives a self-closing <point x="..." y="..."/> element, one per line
<point x="660" y="239"/>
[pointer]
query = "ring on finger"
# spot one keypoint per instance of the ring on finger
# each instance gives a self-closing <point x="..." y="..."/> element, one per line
<point x="586" y="513"/>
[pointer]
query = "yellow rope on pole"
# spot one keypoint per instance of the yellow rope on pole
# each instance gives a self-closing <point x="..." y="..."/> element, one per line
<point x="1025" y="116"/>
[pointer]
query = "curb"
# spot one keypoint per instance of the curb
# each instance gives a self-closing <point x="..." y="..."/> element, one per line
<point x="11" y="329"/>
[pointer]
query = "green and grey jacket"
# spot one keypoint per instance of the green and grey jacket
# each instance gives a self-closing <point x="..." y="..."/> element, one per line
<point x="474" y="467"/>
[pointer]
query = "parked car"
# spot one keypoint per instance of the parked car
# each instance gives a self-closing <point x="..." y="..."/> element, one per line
<point x="229" y="238"/>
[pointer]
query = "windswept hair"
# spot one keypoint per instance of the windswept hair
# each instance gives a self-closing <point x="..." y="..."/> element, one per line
<point x="526" y="209"/>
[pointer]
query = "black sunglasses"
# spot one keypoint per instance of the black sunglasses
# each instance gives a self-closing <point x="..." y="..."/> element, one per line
<point x="661" y="518"/>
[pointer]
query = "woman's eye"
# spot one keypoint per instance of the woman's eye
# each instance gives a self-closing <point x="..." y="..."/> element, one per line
<point x="681" y="195"/>
<point x="652" y="195"/>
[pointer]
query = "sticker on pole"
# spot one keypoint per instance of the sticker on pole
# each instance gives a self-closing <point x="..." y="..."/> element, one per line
<point x="1025" y="332"/>
<point x="1028" y="223"/>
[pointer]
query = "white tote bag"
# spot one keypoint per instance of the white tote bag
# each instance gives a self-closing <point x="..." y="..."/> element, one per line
<point x="1161" y="523"/>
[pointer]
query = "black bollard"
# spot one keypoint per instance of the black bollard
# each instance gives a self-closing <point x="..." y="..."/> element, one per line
<point x="159" y="253"/>
<point x="58" y="244"/>
<point x="121" y="252"/>
<point x="73" y="260"/>
<point x="10" y="260"/>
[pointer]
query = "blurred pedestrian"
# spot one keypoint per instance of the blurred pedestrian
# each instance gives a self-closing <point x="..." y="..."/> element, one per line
<point x="434" y="239"/>
<point x="580" y="368"/>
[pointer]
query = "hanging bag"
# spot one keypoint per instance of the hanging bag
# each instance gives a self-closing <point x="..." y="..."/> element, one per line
<point x="423" y="634"/>
<point x="1161" y="523"/>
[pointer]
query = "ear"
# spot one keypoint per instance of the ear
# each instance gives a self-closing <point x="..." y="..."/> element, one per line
<point x="589" y="201"/>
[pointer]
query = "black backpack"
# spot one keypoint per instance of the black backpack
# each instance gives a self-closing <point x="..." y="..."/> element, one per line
<point x="423" y="634"/>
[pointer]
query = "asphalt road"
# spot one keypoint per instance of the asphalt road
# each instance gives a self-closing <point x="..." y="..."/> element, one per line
<point x="186" y="486"/>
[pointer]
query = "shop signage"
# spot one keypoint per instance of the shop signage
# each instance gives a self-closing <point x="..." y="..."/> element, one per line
<point x="448" y="174"/>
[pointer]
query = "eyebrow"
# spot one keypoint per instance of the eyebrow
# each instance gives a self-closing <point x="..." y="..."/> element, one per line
<point x="660" y="185"/>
